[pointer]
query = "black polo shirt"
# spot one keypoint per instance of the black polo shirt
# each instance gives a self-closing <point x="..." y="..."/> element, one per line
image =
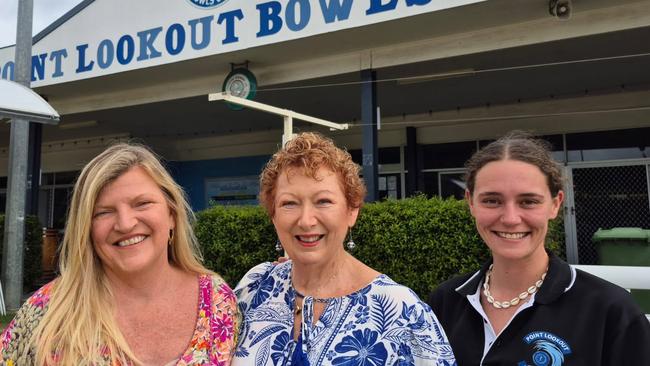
<point x="576" y="319"/>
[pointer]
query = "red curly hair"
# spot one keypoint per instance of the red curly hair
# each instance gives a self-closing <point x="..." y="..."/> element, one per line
<point x="308" y="152"/>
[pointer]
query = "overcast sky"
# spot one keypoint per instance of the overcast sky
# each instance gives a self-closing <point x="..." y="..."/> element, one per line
<point x="45" y="13"/>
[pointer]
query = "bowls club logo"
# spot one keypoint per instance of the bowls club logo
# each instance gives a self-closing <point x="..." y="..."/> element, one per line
<point x="549" y="349"/>
<point x="207" y="4"/>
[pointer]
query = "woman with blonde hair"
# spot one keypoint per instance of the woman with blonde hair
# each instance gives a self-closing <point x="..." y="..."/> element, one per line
<point x="132" y="289"/>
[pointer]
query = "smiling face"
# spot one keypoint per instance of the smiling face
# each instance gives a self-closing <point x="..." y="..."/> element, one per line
<point x="311" y="216"/>
<point x="512" y="205"/>
<point x="131" y="223"/>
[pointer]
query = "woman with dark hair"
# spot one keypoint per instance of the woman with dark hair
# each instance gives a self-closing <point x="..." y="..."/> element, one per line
<point x="323" y="306"/>
<point x="527" y="306"/>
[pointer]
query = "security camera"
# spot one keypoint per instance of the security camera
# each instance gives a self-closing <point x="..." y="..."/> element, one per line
<point x="560" y="8"/>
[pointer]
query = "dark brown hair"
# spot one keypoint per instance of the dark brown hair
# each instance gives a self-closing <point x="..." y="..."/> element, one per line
<point x="520" y="146"/>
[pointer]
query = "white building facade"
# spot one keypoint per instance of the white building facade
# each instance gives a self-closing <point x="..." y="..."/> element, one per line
<point x="434" y="80"/>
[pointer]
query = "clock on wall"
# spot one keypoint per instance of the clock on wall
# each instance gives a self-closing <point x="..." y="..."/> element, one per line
<point x="241" y="83"/>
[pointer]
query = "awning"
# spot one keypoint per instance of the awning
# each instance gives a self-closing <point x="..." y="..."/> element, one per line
<point x="18" y="101"/>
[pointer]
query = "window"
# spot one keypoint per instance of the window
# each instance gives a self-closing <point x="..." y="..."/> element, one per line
<point x="54" y="198"/>
<point x="386" y="155"/>
<point x="449" y="155"/>
<point x="609" y="145"/>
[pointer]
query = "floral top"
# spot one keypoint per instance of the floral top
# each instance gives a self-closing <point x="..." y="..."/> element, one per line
<point x="383" y="323"/>
<point x="214" y="337"/>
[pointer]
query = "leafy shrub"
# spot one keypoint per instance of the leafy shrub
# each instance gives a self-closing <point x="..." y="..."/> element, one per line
<point x="33" y="247"/>
<point x="235" y="239"/>
<point x="555" y="239"/>
<point x="418" y="242"/>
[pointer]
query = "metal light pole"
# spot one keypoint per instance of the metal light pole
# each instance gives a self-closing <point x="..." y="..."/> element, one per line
<point x="12" y="266"/>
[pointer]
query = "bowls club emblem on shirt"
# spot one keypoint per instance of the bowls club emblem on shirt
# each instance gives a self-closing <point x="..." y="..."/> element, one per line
<point x="207" y="4"/>
<point x="549" y="349"/>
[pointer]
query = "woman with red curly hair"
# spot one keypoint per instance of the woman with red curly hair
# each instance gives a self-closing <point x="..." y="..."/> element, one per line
<point x="323" y="306"/>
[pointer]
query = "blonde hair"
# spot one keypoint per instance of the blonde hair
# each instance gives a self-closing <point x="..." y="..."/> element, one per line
<point x="79" y="327"/>
<point x="310" y="151"/>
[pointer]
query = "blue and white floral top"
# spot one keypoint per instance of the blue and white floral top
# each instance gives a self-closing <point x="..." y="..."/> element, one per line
<point x="383" y="323"/>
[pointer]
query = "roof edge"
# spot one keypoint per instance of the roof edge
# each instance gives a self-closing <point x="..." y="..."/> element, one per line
<point x="62" y="19"/>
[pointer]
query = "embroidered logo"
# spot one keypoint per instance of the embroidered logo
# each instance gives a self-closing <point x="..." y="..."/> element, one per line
<point x="549" y="349"/>
<point x="207" y="4"/>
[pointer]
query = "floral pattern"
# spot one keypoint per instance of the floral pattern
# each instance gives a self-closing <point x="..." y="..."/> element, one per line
<point x="214" y="337"/>
<point x="382" y="324"/>
<point x="365" y="349"/>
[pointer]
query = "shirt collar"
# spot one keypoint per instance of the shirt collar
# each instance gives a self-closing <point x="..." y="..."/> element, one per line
<point x="559" y="279"/>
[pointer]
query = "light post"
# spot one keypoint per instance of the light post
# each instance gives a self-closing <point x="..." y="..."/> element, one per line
<point x="22" y="105"/>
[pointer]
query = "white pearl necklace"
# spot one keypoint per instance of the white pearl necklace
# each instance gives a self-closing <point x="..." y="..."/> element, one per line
<point x="506" y="304"/>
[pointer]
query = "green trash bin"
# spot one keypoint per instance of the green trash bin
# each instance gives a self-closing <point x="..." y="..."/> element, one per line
<point x="626" y="246"/>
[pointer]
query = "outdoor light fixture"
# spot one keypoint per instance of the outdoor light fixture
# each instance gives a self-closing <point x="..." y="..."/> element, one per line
<point x="19" y="101"/>
<point x="560" y="8"/>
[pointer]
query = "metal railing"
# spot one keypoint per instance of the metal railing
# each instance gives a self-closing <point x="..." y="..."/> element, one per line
<point x="3" y="310"/>
<point x="628" y="277"/>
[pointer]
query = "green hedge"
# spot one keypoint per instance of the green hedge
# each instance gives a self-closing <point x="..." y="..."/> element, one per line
<point x="235" y="239"/>
<point x="418" y="242"/>
<point x="33" y="248"/>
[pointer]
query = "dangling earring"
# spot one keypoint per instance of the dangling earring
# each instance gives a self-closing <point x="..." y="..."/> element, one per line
<point x="350" y="244"/>
<point x="278" y="246"/>
<point x="171" y="237"/>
